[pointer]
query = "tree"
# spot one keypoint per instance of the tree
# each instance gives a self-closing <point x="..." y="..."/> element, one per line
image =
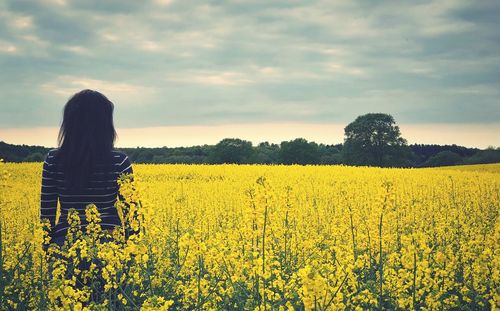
<point x="231" y="150"/>
<point x="299" y="151"/>
<point x="490" y="155"/>
<point x="330" y="154"/>
<point x="424" y="152"/>
<point x="145" y="156"/>
<point x="444" y="158"/>
<point x="35" y="157"/>
<point x="374" y="139"/>
<point x="265" y="153"/>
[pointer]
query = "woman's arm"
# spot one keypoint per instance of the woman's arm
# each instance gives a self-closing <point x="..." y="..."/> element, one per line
<point x="125" y="167"/>
<point x="49" y="195"/>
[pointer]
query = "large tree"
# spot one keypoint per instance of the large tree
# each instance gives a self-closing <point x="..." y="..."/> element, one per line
<point x="374" y="139"/>
<point x="231" y="150"/>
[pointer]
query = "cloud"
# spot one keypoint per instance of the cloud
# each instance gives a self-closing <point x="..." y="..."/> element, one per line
<point x="6" y="47"/>
<point x="218" y="62"/>
<point x="125" y="93"/>
<point x="226" y="78"/>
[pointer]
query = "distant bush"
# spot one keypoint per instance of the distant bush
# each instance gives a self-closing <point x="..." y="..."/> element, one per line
<point x="34" y="157"/>
<point x="299" y="151"/>
<point x="444" y="158"/>
<point x="489" y="155"/>
<point x="231" y="150"/>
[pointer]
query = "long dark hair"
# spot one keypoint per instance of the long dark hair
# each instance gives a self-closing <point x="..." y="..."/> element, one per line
<point x="86" y="137"/>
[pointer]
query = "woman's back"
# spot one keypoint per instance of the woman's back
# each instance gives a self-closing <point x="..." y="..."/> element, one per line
<point x="101" y="189"/>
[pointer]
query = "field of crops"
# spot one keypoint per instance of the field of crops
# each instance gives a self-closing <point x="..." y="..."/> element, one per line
<point x="256" y="237"/>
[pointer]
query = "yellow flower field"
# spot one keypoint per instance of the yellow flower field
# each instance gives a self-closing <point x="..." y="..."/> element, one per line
<point x="256" y="237"/>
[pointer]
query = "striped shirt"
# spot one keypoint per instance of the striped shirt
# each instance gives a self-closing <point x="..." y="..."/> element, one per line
<point x="101" y="190"/>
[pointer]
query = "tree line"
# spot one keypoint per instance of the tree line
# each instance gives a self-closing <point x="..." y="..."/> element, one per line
<point x="373" y="139"/>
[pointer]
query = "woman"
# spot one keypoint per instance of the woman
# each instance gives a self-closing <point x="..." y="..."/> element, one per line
<point x="84" y="169"/>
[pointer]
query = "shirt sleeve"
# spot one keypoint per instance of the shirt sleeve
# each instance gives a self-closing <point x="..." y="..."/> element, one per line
<point x="48" y="194"/>
<point x="126" y="167"/>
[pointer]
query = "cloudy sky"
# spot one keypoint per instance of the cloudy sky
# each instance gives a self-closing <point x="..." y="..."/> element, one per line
<point x="193" y="72"/>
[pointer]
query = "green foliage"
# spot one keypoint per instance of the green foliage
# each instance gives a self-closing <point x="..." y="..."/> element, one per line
<point x="374" y="139"/>
<point x="34" y="157"/>
<point x="231" y="150"/>
<point x="330" y="154"/>
<point x="424" y="152"/>
<point x="265" y="153"/>
<point x="396" y="155"/>
<point x="20" y="153"/>
<point x="489" y="155"/>
<point x="444" y="158"/>
<point x="299" y="151"/>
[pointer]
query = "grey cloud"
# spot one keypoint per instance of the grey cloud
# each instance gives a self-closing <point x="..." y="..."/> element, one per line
<point x="212" y="62"/>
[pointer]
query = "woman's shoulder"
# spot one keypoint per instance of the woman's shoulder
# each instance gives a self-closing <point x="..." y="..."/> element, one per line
<point x="51" y="153"/>
<point x="50" y="161"/>
<point x="119" y="155"/>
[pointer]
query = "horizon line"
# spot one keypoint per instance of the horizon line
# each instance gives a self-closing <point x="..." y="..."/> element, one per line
<point x="253" y="145"/>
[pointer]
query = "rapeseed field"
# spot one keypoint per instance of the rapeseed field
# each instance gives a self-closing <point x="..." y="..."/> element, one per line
<point x="257" y="237"/>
